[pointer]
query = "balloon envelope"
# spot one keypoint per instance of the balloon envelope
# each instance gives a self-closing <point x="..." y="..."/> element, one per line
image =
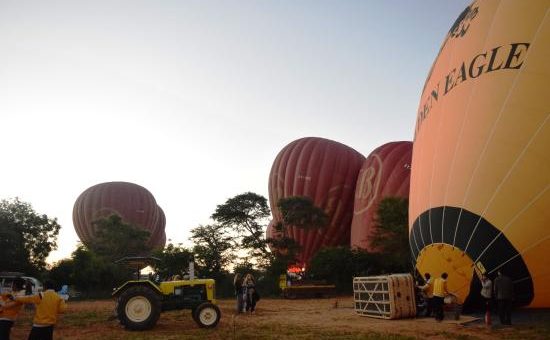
<point x="481" y="166"/>
<point x="133" y="203"/>
<point x="325" y="171"/>
<point x="385" y="173"/>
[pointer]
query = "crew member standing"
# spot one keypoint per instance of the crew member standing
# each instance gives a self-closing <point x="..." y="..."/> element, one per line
<point x="439" y="293"/>
<point x="48" y="305"/>
<point x="504" y="293"/>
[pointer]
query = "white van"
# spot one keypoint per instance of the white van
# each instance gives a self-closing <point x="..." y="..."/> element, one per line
<point x="6" y="280"/>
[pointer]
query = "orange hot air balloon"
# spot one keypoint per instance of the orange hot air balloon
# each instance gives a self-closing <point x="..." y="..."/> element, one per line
<point x="385" y="173"/>
<point x="326" y="172"/>
<point x="133" y="203"/>
<point x="480" y="176"/>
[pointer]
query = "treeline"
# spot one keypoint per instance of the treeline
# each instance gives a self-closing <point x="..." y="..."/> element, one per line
<point x="234" y="242"/>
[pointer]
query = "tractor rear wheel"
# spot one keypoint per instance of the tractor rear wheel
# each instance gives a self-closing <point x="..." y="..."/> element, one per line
<point x="207" y="315"/>
<point x="139" y="308"/>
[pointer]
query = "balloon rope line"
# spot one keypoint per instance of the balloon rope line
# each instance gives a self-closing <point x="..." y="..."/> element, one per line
<point x="440" y="123"/>
<point x="416" y="243"/>
<point x="527" y="206"/>
<point x="504" y="105"/>
<point x="461" y="133"/>
<point x="520" y="253"/>
<point x="493" y="128"/>
<point x="510" y="171"/>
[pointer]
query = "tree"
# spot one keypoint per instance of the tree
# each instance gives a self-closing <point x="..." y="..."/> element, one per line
<point x="173" y="260"/>
<point x="339" y="265"/>
<point x="26" y="237"/>
<point x="391" y="235"/>
<point x="116" y="239"/>
<point x="299" y="212"/>
<point x="246" y="215"/>
<point x="212" y="250"/>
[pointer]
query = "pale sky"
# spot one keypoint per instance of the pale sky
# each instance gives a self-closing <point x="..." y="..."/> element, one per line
<point x="194" y="99"/>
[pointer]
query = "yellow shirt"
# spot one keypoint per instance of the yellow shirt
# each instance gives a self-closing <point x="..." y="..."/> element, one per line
<point x="10" y="312"/>
<point x="440" y="287"/>
<point x="428" y="288"/>
<point x="48" y="305"/>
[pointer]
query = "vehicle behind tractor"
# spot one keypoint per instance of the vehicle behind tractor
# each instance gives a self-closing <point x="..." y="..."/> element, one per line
<point x="140" y="302"/>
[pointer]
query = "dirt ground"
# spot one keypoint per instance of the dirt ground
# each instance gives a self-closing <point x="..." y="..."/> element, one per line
<point x="284" y="319"/>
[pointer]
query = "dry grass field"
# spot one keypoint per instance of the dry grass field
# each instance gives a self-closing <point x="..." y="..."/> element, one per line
<point x="283" y="319"/>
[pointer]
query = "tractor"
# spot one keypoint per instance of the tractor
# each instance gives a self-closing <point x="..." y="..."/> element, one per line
<point x="140" y="301"/>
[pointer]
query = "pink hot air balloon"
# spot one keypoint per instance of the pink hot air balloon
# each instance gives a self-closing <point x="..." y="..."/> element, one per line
<point x="385" y="172"/>
<point x="133" y="203"/>
<point x="326" y="172"/>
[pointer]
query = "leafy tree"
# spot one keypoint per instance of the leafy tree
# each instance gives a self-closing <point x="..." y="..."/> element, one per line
<point x="246" y="215"/>
<point x="392" y="232"/>
<point x="173" y="260"/>
<point x="338" y="265"/>
<point x="212" y="250"/>
<point x="91" y="274"/>
<point x="26" y="237"/>
<point x="62" y="272"/>
<point x="300" y="212"/>
<point x="116" y="239"/>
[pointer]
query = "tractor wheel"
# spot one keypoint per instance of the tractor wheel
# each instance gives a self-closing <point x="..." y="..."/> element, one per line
<point x="139" y="308"/>
<point x="207" y="315"/>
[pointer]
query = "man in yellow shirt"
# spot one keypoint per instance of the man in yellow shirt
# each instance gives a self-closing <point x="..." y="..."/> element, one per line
<point x="427" y="292"/>
<point x="8" y="309"/>
<point x="439" y="293"/>
<point x="48" y="305"/>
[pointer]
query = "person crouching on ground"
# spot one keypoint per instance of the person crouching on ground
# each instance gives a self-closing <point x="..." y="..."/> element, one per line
<point x="251" y="294"/>
<point x="9" y="309"/>
<point x="48" y="305"/>
<point x="439" y="293"/>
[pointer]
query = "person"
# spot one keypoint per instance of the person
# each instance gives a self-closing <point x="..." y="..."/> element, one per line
<point x="48" y="306"/>
<point x="238" y="284"/>
<point x="427" y="293"/>
<point x="251" y="293"/>
<point x="10" y="309"/>
<point x="486" y="291"/>
<point x="28" y="287"/>
<point x="504" y="293"/>
<point x="439" y="293"/>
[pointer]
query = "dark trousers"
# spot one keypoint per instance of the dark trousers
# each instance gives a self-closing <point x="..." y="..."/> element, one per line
<point x="41" y="333"/>
<point x="505" y="311"/>
<point x="250" y="302"/>
<point x="240" y="302"/>
<point x="429" y="306"/>
<point x="5" y="328"/>
<point x="437" y="305"/>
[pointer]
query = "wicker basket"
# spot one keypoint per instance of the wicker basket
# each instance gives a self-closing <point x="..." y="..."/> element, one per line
<point x="385" y="297"/>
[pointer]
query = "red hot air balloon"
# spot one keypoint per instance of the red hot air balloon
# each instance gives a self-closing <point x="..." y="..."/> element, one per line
<point x="158" y="239"/>
<point x="326" y="172"/>
<point x="133" y="203"/>
<point x="386" y="172"/>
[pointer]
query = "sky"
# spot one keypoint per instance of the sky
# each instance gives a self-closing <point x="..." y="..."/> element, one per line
<point x="194" y="99"/>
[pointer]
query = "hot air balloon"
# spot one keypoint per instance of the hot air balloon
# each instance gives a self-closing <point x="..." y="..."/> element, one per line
<point x="480" y="176"/>
<point x="326" y="172"/>
<point x="133" y="203"/>
<point x="158" y="239"/>
<point x="385" y="173"/>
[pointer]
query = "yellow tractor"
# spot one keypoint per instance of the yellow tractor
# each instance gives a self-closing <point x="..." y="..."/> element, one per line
<point x="140" y="301"/>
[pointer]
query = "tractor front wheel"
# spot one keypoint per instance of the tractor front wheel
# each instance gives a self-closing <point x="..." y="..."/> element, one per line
<point x="139" y="308"/>
<point x="207" y="315"/>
